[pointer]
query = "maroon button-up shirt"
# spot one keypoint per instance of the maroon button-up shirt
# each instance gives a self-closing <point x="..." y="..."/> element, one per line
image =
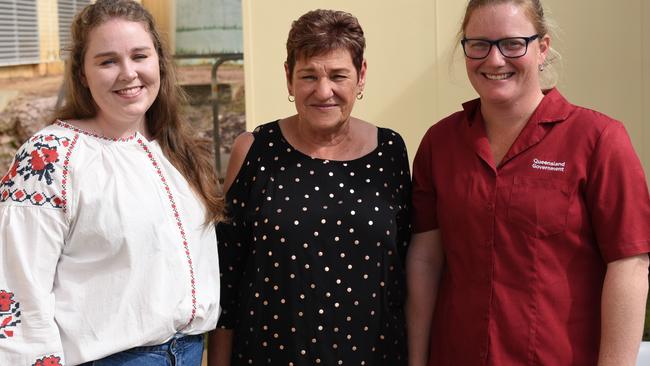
<point x="527" y="242"/>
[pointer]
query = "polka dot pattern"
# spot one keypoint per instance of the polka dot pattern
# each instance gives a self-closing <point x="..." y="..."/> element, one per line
<point x="312" y="258"/>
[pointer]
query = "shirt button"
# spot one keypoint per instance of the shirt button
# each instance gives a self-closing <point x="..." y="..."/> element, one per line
<point x="490" y="207"/>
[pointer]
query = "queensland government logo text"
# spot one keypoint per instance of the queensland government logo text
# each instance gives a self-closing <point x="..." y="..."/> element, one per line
<point x="554" y="166"/>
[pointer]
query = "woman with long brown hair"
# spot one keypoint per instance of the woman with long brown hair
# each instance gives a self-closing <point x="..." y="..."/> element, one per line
<point x="108" y="248"/>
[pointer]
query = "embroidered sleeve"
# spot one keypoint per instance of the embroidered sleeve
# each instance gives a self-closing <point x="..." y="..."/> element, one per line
<point x="33" y="226"/>
<point x="50" y="360"/>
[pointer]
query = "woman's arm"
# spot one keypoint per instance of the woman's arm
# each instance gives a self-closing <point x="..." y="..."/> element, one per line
<point x="220" y="339"/>
<point x="33" y="226"/>
<point x="623" y="310"/>
<point x="219" y="347"/>
<point x="424" y="263"/>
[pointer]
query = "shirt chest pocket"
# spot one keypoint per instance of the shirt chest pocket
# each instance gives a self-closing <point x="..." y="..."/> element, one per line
<point x="539" y="206"/>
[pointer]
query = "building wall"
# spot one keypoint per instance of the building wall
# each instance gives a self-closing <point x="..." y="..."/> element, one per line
<point x="164" y="13"/>
<point x="48" y="42"/>
<point x="402" y="50"/>
<point x="415" y="78"/>
<point x="643" y="138"/>
<point x="208" y="26"/>
<point x="605" y="49"/>
<point x="48" y="29"/>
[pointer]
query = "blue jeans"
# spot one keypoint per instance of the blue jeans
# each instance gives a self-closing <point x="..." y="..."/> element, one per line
<point x="179" y="351"/>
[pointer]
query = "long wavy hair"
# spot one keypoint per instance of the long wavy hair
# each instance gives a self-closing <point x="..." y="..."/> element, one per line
<point x="190" y="155"/>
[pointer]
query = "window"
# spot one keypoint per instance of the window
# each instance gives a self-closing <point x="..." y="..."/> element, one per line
<point x="67" y="10"/>
<point x="19" y="44"/>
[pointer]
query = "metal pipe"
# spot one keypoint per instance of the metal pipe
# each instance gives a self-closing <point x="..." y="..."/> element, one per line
<point x="219" y="59"/>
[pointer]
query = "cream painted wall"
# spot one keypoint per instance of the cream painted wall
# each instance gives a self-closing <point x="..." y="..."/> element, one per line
<point x="645" y="120"/>
<point x="164" y="12"/>
<point x="401" y="53"/>
<point x="48" y="30"/>
<point x="415" y="78"/>
<point x="606" y="61"/>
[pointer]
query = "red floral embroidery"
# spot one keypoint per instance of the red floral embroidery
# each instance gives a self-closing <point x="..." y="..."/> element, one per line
<point x="6" y="300"/>
<point x="40" y="161"/>
<point x="9" y="314"/>
<point x="36" y="160"/>
<point x="8" y="178"/>
<point x="35" y="198"/>
<point x="40" y="158"/>
<point x="48" y="361"/>
<point x="66" y="172"/>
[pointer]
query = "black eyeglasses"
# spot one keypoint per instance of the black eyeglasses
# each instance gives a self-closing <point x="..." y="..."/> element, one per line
<point x="512" y="47"/>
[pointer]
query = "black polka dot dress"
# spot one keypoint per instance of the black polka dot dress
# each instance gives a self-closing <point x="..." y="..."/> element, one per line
<point x="312" y="259"/>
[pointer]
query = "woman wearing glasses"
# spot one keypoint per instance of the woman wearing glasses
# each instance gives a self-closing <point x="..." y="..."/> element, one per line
<point x="530" y="216"/>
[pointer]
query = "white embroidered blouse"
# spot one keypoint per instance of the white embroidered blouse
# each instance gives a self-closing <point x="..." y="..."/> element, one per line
<point x="103" y="248"/>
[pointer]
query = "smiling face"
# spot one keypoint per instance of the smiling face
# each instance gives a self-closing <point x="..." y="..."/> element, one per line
<point x="121" y="70"/>
<point x="498" y="79"/>
<point x="325" y="87"/>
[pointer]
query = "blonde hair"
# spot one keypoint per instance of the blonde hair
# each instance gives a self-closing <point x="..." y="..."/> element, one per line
<point x="189" y="155"/>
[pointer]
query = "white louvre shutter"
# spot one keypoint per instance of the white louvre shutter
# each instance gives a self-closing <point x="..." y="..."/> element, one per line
<point x="67" y="9"/>
<point x="19" y="43"/>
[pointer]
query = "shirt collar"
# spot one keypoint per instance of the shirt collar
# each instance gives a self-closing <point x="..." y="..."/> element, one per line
<point x="552" y="109"/>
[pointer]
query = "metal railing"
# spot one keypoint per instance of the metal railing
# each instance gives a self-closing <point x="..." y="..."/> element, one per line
<point x="218" y="60"/>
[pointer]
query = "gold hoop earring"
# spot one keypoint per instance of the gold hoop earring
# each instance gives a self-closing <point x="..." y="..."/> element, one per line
<point x="360" y="95"/>
<point x="291" y="98"/>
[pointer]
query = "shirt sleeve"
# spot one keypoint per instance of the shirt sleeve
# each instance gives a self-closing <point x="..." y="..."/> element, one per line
<point x="424" y="213"/>
<point x="617" y="196"/>
<point x="32" y="231"/>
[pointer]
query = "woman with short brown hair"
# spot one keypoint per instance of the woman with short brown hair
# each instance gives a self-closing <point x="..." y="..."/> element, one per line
<point x="312" y="258"/>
